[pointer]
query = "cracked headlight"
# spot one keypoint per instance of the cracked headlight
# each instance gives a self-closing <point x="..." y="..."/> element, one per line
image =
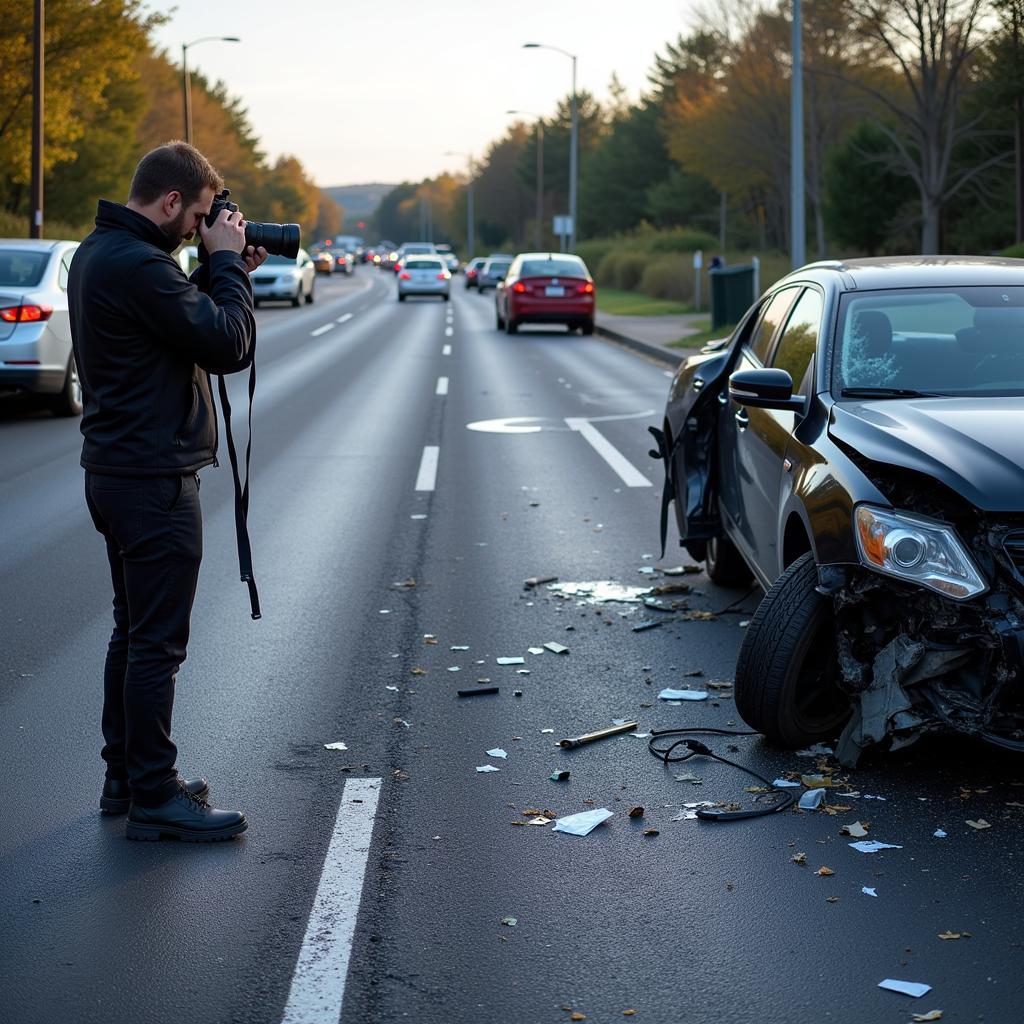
<point x="918" y="550"/>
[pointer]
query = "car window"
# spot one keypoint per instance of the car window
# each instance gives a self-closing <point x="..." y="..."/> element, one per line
<point x="553" y="267"/>
<point x="797" y="344"/>
<point x="22" y="268"/>
<point x="422" y="264"/>
<point x="65" y="266"/>
<point x="774" y="313"/>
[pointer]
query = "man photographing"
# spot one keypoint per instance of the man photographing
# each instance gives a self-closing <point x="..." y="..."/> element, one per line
<point x="146" y="338"/>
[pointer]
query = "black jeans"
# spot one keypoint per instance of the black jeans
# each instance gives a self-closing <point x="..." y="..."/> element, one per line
<point x="153" y="527"/>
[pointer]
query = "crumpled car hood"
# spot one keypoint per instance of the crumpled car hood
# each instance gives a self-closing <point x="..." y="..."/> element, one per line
<point x="973" y="445"/>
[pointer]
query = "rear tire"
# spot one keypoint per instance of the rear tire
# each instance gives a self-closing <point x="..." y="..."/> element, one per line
<point x="401" y="297"/>
<point x="725" y="565"/>
<point x="309" y="297"/>
<point x="68" y="401"/>
<point x="786" y="674"/>
<point x="587" y="327"/>
<point x="297" y="299"/>
<point x="498" y="322"/>
<point x="511" y="326"/>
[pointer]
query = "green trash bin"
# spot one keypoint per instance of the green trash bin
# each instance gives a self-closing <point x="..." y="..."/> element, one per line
<point x="732" y="294"/>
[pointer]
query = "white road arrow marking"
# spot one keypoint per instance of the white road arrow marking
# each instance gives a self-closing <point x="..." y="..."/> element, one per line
<point x="625" y="469"/>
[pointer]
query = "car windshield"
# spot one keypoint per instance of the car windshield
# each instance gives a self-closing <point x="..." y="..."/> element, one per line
<point x="497" y="268"/>
<point x="945" y="341"/>
<point x="22" y="268"/>
<point x="553" y="268"/>
<point x="275" y="260"/>
<point x="421" y="264"/>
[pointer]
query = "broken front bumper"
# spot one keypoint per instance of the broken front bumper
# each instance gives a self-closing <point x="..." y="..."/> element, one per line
<point x="914" y="662"/>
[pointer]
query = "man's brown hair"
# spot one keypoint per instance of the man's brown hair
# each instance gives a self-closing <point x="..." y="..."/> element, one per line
<point x="174" y="166"/>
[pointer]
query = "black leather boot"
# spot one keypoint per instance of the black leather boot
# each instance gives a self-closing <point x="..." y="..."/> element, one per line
<point x="186" y="817"/>
<point x="117" y="797"/>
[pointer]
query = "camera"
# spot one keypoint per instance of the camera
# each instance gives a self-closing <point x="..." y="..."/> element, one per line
<point x="277" y="239"/>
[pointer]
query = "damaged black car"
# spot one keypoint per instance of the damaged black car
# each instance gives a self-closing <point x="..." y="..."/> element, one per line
<point x="857" y="447"/>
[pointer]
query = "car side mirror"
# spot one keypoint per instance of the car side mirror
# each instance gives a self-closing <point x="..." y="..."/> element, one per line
<point x="764" y="389"/>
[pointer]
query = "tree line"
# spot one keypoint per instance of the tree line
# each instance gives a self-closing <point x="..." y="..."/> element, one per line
<point x="110" y="97"/>
<point x="912" y="134"/>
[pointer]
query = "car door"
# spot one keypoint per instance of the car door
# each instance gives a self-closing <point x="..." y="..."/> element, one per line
<point x="751" y="446"/>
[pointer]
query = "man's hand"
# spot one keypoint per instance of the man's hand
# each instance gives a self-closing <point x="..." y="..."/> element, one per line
<point x="227" y="233"/>
<point x="254" y="257"/>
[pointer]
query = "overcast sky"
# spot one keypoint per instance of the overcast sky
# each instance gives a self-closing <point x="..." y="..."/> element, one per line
<point x="379" y="91"/>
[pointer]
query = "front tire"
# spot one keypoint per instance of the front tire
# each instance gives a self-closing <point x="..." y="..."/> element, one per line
<point x="725" y="565"/>
<point x="511" y="326"/>
<point x="786" y="675"/>
<point x="68" y="401"/>
<point x="499" y="323"/>
<point x="297" y="298"/>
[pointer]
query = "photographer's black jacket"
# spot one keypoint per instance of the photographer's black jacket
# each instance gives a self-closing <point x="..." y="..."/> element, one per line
<point x="145" y="337"/>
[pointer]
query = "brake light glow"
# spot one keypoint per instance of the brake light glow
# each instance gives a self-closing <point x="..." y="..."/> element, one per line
<point x="443" y="276"/>
<point x="519" y="288"/>
<point x="25" y="314"/>
<point x="405" y="275"/>
<point x="470" y="273"/>
<point x="586" y="289"/>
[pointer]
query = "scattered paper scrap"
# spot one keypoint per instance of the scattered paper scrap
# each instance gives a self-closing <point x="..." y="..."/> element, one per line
<point x="488" y="768"/>
<point x="939" y="834"/>
<point x="642" y="627"/>
<point x="980" y="824"/>
<point x="540" y="820"/>
<point x="454" y="668"/>
<point x="335" y="746"/>
<point x="459" y="647"/>
<point x="584" y="823"/>
<point x="923" y="1018"/>
<point x="556" y="648"/>
<point x="954" y="935"/>
<point x="907" y="988"/>
<point x="855" y="829"/>
<point x="511" y="661"/>
<point x="395" y="688"/>
<point x="811" y="800"/>
<point x="818" y="750"/>
<point x="799" y="858"/>
<point x="785" y="784"/>
<point x="873" y="846"/>
<point x="509" y="922"/>
<point x="670" y="694"/>
<point x="497" y="752"/>
<point x="868" y="891"/>
<point x="535" y="650"/>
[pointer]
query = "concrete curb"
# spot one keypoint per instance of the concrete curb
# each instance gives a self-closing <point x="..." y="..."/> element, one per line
<point x="663" y="355"/>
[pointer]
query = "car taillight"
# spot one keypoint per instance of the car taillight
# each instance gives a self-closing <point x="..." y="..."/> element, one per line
<point x="587" y="288"/>
<point x="443" y="276"/>
<point x="405" y="275"/>
<point x="398" y="267"/>
<point x="519" y="288"/>
<point x="25" y="314"/>
<point x="470" y="273"/>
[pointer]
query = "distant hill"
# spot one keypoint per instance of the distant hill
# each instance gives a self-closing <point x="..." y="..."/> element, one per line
<point x="358" y="201"/>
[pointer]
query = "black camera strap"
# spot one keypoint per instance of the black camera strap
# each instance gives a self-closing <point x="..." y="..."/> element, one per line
<point x="242" y="492"/>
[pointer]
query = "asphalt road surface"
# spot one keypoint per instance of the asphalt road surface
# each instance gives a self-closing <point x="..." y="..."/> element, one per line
<point x="373" y="882"/>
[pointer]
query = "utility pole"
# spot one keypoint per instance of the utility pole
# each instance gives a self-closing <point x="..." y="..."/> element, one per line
<point x="1018" y="124"/>
<point x="574" y="145"/>
<point x="797" y="229"/>
<point x="35" y="220"/>
<point x="186" y="91"/>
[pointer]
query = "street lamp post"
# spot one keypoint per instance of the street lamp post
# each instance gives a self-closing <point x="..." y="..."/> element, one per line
<point x="186" y="78"/>
<point x="573" y="140"/>
<point x="469" y="203"/>
<point x="797" y="230"/>
<point x="539" y="232"/>
<point x="35" y="217"/>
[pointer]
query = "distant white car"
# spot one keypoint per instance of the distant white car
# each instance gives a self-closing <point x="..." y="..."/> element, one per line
<point x="282" y="278"/>
<point x="424" y="275"/>
<point x="35" y="330"/>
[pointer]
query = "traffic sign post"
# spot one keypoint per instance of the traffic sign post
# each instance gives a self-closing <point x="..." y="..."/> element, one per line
<point x="562" y="226"/>
<point x="698" y="262"/>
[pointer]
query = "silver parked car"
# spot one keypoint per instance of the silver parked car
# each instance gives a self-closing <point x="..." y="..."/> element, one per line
<point x="35" y="332"/>
<point x="424" y="275"/>
<point x="283" y="278"/>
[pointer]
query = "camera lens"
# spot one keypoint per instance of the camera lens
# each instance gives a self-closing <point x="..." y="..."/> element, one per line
<point x="277" y="239"/>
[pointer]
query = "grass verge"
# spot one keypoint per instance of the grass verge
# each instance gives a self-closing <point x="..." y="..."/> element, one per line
<point x="704" y="335"/>
<point x="624" y="303"/>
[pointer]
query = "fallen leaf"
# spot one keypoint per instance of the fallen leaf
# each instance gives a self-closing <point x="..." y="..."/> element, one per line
<point x="418" y="671"/>
<point x="824" y="872"/>
<point x="629" y="1013"/>
<point x="922" y="1018"/>
<point x="576" y="1015"/>
<point x="831" y="899"/>
<point x="636" y="812"/>
<point x="756" y="789"/>
<point x="651" y="832"/>
<point x="954" y="935"/>
<point x="799" y="858"/>
<point x="855" y="829"/>
<point x="980" y="824"/>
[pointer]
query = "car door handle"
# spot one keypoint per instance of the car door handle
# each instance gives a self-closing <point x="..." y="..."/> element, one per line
<point x="742" y="418"/>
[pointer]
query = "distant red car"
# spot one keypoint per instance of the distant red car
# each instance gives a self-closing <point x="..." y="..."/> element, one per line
<point x="546" y="288"/>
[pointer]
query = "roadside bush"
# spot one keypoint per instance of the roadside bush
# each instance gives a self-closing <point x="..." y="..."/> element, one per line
<point x="593" y="252"/>
<point x="683" y="240"/>
<point x="16" y="226"/>
<point x="1015" y="252"/>
<point x="622" y="269"/>
<point x="668" y="277"/>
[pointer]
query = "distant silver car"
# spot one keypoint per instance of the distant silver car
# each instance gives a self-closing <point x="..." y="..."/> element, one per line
<point x="424" y="275"/>
<point x="281" y="277"/>
<point x="35" y="332"/>
<point x="493" y="271"/>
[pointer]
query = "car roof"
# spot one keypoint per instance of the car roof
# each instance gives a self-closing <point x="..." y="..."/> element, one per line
<point x="550" y="256"/>
<point x="39" y="244"/>
<point x="436" y="256"/>
<point x="870" y="273"/>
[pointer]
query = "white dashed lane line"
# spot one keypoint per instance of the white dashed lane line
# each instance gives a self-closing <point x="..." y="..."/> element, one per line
<point x="322" y="330"/>
<point x="344" y="319"/>
<point x="442" y="386"/>
<point x="448" y="332"/>
<point x="426" y="479"/>
<point x="318" y="984"/>
<point x="447" y="350"/>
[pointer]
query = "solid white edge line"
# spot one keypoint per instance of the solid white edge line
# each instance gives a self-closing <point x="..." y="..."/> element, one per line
<point x="426" y="478"/>
<point x="318" y="984"/>
<point x="627" y="472"/>
<point x="442" y="386"/>
<point x="345" y="318"/>
<point x="447" y="350"/>
<point x="322" y="330"/>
